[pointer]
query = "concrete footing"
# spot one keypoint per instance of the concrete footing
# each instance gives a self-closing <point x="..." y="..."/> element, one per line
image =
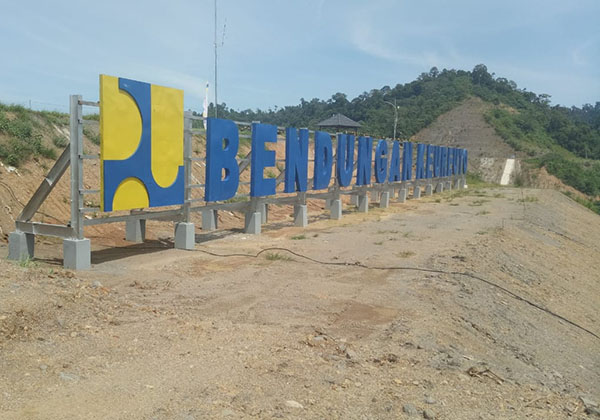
<point x="185" y="236"/>
<point x="363" y="203"/>
<point x="448" y="185"/>
<point x="375" y="196"/>
<point x="384" y="200"/>
<point x="328" y="203"/>
<point x="264" y="213"/>
<point x="402" y="195"/>
<point x="428" y="189"/>
<point x="336" y="209"/>
<point x="439" y="188"/>
<point x="77" y="254"/>
<point x="209" y="220"/>
<point x="417" y="192"/>
<point x="300" y="215"/>
<point x="20" y="245"/>
<point x="354" y="200"/>
<point x="461" y="183"/>
<point x="252" y="222"/>
<point x="135" y="230"/>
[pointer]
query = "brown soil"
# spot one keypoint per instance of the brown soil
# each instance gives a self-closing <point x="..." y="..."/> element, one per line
<point x="464" y="126"/>
<point x="156" y="333"/>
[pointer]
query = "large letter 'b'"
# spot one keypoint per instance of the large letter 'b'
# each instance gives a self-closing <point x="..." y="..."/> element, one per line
<point x="222" y="171"/>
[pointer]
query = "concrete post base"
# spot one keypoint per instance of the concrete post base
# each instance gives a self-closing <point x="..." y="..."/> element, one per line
<point x="448" y="185"/>
<point x="384" y="200"/>
<point x="375" y="196"/>
<point x="252" y="223"/>
<point x="185" y="236"/>
<point x="209" y="220"/>
<point x="20" y="245"/>
<point x="402" y="195"/>
<point x="428" y="189"/>
<point x="461" y="183"/>
<point x="300" y="215"/>
<point x="135" y="230"/>
<point x="336" y="209"/>
<point x="77" y="254"/>
<point x="327" y="203"/>
<point x="354" y="200"/>
<point x="439" y="187"/>
<point x="457" y="183"/>
<point x="363" y="203"/>
<point x="264" y="213"/>
<point x="417" y="192"/>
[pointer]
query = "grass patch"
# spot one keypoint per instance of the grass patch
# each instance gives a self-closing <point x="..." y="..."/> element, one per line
<point x="92" y="117"/>
<point x="56" y="118"/>
<point x="483" y="213"/>
<point x="94" y="138"/>
<point x="593" y="205"/>
<point x="405" y="254"/>
<point x="237" y="199"/>
<point x="275" y="256"/>
<point x="379" y="243"/>
<point x="478" y="203"/>
<point x="26" y="263"/>
<point x="474" y="180"/>
<point x="528" y="199"/>
<point x="298" y="237"/>
<point x="60" y="142"/>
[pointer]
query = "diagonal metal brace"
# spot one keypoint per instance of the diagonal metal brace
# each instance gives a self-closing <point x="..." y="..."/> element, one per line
<point x="46" y="187"/>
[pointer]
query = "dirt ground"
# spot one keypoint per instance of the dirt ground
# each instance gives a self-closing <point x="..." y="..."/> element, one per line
<point x="151" y="332"/>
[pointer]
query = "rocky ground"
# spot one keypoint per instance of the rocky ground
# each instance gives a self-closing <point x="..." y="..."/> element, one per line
<point x="156" y="333"/>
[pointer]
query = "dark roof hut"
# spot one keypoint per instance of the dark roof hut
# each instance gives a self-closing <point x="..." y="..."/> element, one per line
<point x="340" y="123"/>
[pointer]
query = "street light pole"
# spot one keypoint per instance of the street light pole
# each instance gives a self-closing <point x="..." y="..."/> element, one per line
<point x="395" y="114"/>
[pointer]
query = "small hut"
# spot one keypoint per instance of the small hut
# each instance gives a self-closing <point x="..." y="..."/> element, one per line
<point x="340" y="123"/>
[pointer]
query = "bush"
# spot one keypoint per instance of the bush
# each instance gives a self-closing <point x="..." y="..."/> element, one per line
<point x="60" y="142"/>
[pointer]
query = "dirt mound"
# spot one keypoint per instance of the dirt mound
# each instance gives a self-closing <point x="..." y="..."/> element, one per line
<point x="157" y="333"/>
<point x="464" y="126"/>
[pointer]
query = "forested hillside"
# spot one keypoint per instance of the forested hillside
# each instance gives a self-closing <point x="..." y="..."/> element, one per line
<point x="564" y="140"/>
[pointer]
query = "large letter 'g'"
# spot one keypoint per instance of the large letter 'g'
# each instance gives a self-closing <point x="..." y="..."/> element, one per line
<point x="222" y="171"/>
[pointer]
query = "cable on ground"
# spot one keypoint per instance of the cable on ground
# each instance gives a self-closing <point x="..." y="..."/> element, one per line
<point x="426" y="270"/>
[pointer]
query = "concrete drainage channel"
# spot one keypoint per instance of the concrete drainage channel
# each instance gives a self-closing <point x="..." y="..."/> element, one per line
<point x="509" y="168"/>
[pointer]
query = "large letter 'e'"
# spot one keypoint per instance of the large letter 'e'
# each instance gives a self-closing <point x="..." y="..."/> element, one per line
<point x="262" y="158"/>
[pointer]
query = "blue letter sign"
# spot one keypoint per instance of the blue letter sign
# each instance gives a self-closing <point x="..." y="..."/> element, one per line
<point x="222" y="171"/>
<point x="296" y="160"/>
<point x="323" y="160"/>
<point x="262" y="158"/>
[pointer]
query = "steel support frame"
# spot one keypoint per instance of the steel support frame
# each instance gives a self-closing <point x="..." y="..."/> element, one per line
<point x="73" y="234"/>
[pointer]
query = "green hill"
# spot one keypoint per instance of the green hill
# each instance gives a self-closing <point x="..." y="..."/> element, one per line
<point x="564" y="140"/>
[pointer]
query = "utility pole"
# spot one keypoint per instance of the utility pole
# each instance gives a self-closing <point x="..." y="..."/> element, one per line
<point x="216" y="100"/>
<point x="395" y="114"/>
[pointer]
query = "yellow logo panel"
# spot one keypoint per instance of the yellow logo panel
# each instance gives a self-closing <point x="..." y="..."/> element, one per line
<point x="141" y="144"/>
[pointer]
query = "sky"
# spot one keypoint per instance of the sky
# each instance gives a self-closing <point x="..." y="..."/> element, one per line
<point x="272" y="53"/>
